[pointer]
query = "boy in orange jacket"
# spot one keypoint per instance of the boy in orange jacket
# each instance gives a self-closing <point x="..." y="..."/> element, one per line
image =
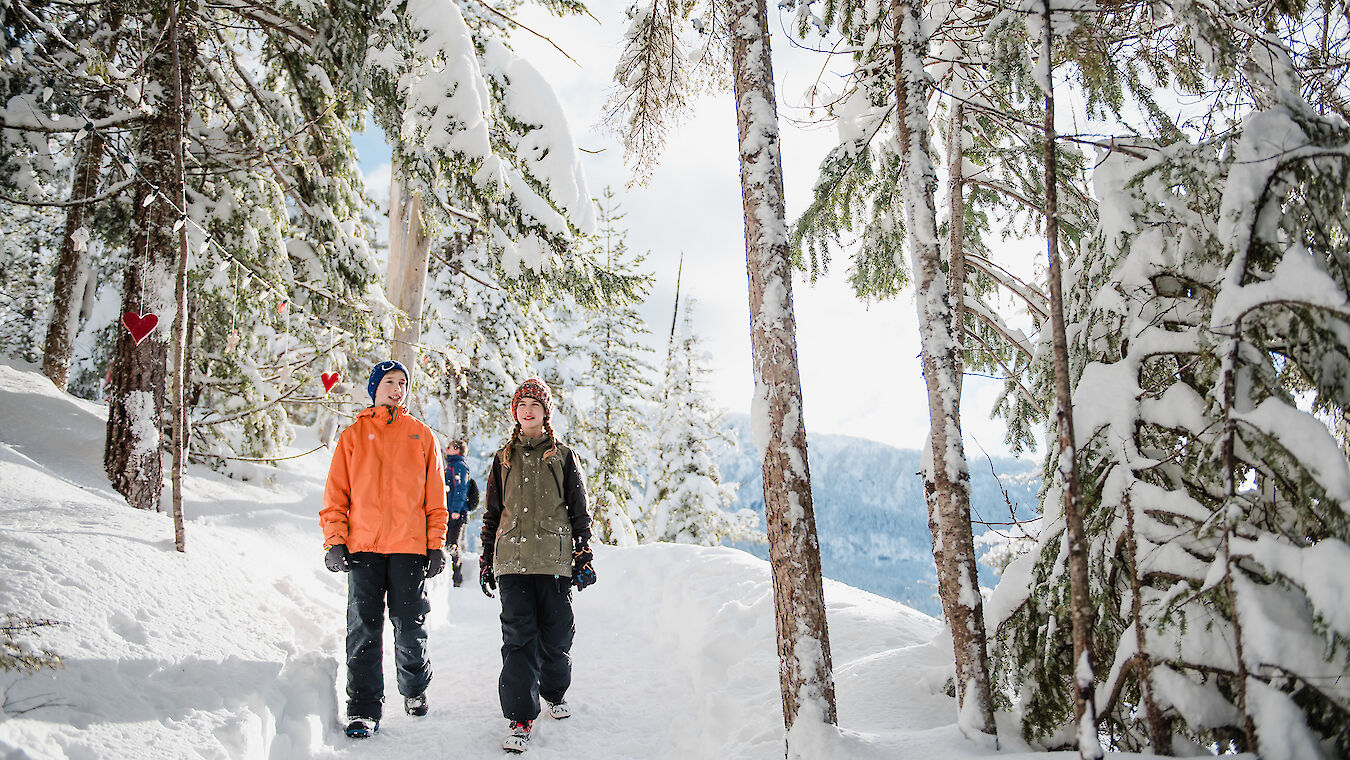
<point x="383" y="521"/>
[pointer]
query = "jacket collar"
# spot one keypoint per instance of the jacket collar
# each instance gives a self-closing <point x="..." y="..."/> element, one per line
<point x="386" y="414"/>
<point x="534" y="443"/>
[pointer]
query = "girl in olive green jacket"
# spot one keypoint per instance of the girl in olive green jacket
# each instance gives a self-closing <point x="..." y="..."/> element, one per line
<point x="535" y="547"/>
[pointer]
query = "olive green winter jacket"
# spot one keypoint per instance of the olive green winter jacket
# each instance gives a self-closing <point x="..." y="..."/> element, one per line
<point x="534" y="509"/>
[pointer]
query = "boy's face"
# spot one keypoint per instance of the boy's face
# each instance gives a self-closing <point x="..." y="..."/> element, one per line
<point x="530" y="415"/>
<point x="393" y="388"/>
<point x="451" y="450"/>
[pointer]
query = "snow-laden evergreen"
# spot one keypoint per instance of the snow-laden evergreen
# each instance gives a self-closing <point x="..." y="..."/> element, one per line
<point x="1212" y="323"/>
<point x="687" y="501"/>
<point x="620" y="381"/>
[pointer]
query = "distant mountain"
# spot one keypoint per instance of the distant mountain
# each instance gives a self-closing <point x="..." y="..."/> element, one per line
<point x="870" y="513"/>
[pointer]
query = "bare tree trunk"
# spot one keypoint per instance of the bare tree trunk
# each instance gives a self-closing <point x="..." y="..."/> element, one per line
<point x="183" y="46"/>
<point x="946" y="476"/>
<point x="409" y="255"/>
<point x="1084" y="678"/>
<point x="71" y="269"/>
<point x="133" y="450"/>
<point x="806" y="672"/>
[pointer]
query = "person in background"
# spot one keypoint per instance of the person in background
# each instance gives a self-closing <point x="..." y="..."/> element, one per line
<point x="461" y="498"/>
<point x="384" y="522"/>
<point x="535" y="546"/>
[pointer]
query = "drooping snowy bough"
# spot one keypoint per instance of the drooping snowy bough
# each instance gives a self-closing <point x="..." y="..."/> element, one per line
<point x="1213" y="318"/>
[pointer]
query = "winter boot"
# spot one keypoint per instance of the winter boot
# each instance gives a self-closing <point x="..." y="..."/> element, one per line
<point x="360" y="728"/>
<point x="558" y="710"/>
<point x="416" y="706"/>
<point x="519" y="736"/>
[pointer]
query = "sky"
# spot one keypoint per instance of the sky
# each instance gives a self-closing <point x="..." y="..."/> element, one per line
<point x="859" y="362"/>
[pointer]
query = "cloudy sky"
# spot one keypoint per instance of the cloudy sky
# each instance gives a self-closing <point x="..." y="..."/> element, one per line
<point x="859" y="362"/>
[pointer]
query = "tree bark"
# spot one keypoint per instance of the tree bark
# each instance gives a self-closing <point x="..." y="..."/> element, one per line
<point x="946" y="476"/>
<point x="183" y="46"/>
<point x="1159" y="727"/>
<point x="133" y="450"/>
<point x="72" y="266"/>
<point x="1084" y="678"/>
<point x="71" y="296"/>
<point x="409" y="256"/>
<point x="805" y="668"/>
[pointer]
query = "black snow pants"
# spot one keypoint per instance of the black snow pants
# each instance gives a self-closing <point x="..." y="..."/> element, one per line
<point x="402" y="579"/>
<point x="537" y="631"/>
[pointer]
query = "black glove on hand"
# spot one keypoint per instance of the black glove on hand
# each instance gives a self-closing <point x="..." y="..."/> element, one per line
<point x="435" y="562"/>
<point x="485" y="577"/>
<point x="583" y="572"/>
<point x="337" y="559"/>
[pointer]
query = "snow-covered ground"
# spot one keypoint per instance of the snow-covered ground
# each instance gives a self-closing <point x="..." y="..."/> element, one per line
<point x="233" y="649"/>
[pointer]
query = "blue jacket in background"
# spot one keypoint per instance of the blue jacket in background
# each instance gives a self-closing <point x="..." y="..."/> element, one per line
<point x="456" y="483"/>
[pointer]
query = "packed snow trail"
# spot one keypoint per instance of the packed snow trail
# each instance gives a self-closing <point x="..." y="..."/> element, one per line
<point x="234" y="649"/>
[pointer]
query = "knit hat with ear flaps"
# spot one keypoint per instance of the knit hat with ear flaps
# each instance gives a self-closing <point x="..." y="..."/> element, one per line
<point x="536" y="389"/>
<point x="383" y="368"/>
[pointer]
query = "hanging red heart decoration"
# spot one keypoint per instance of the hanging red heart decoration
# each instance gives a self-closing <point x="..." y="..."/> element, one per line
<point x="139" y="325"/>
<point x="329" y="380"/>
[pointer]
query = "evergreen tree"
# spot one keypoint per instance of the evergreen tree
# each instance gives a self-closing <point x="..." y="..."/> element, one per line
<point x="619" y="381"/>
<point x="1208" y="315"/>
<point x="687" y="502"/>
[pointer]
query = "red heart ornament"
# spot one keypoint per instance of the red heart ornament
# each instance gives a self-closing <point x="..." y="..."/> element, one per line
<point x="139" y="326"/>
<point x="329" y="380"/>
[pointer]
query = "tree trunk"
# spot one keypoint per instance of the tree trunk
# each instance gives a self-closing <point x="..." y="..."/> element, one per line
<point x="136" y="401"/>
<point x="1084" y="679"/>
<point x="946" y="476"/>
<point x="806" y="672"/>
<point x="1159" y="727"/>
<point x="72" y="266"/>
<point x="183" y="46"/>
<point x="409" y="255"/>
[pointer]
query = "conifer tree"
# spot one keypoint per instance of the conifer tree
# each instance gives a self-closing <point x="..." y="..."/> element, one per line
<point x="1202" y="476"/>
<point x="619" y="380"/>
<point x="687" y="502"/>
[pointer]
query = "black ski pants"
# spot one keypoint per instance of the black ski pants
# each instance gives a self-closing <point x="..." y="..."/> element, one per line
<point x="537" y="632"/>
<point x="401" y="579"/>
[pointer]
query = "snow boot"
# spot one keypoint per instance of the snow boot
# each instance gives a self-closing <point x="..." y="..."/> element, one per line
<point x="519" y="736"/>
<point x="558" y="710"/>
<point x="415" y="706"/>
<point x="361" y="728"/>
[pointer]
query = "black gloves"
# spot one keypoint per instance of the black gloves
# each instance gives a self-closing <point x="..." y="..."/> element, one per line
<point x="337" y="560"/>
<point x="583" y="573"/>
<point x="485" y="576"/>
<point x="435" y="562"/>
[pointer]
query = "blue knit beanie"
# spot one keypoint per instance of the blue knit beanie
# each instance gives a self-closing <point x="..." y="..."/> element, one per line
<point x="383" y="368"/>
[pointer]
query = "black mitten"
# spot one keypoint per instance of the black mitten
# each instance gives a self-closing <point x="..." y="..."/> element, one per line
<point x="435" y="562"/>
<point x="485" y="577"/>
<point x="337" y="559"/>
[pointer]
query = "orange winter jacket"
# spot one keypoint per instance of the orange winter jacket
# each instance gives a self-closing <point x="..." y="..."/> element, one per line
<point x="386" y="490"/>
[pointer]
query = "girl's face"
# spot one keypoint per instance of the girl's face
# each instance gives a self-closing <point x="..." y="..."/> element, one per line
<point x="392" y="389"/>
<point x="530" y="415"/>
